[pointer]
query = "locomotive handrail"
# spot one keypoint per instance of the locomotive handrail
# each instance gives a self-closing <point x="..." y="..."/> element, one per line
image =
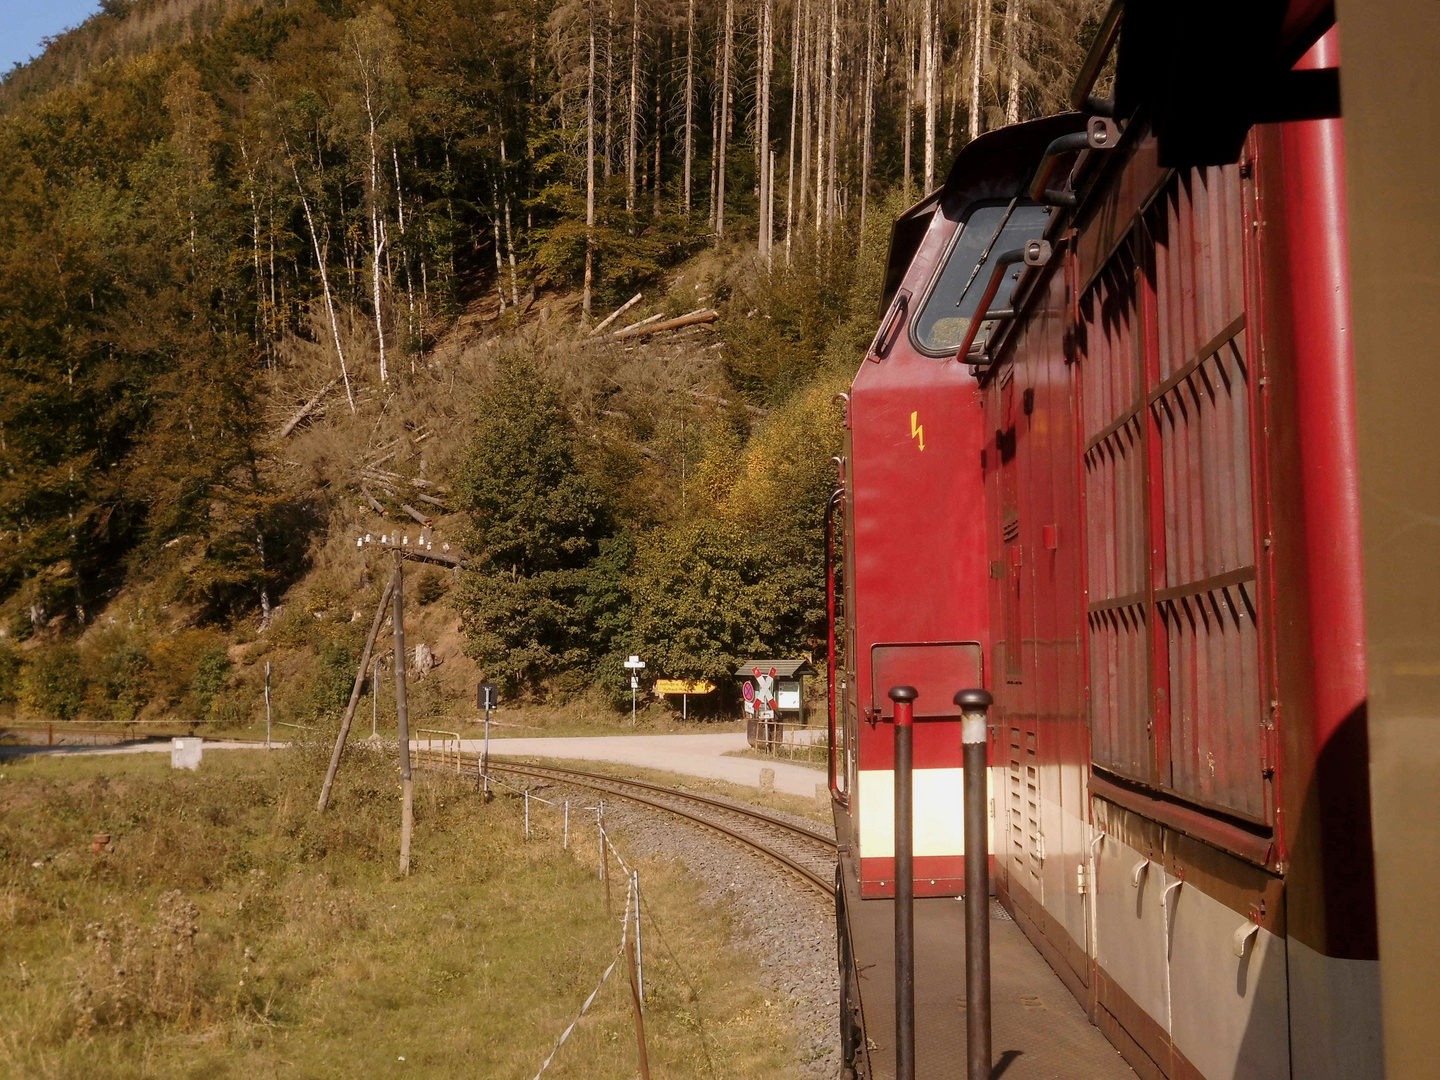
<point x="1101" y="133"/>
<point x="836" y="498"/>
<point x="880" y="347"/>
<point x="1105" y="38"/>
<point x="1003" y="262"/>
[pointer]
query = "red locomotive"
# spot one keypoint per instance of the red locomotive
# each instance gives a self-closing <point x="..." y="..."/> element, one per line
<point x="1100" y="460"/>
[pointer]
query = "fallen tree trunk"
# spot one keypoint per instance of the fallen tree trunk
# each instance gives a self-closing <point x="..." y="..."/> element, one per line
<point x="374" y="505"/>
<point x="694" y="318"/>
<point x="617" y="313"/>
<point x="305" y="410"/>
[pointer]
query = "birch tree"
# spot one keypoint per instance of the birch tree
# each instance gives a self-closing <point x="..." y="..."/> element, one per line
<point x="371" y="45"/>
<point x="728" y="53"/>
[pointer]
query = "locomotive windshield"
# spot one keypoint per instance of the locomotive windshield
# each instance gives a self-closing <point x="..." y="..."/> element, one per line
<point x="940" y="325"/>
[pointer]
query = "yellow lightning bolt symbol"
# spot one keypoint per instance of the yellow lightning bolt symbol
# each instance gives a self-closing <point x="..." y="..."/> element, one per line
<point x="917" y="431"/>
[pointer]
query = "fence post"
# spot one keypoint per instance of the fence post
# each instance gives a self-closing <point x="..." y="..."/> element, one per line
<point x="630" y="954"/>
<point x="527" y="813"/>
<point x="267" y="704"/>
<point x="565" y="844"/>
<point x="639" y="947"/>
<point x="604" y="856"/>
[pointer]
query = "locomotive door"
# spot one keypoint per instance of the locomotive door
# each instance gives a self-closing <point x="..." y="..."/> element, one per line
<point x="1025" y="842"/>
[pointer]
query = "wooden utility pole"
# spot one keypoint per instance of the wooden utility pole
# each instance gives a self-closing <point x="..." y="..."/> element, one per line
<point x="402" y="717"/>
<point x="354" y="696"/>
<point x="590" y="174"/>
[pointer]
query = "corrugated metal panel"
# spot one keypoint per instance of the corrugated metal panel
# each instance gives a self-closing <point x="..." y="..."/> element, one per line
<point x="1199" y="232"/>
<point x="1115" y="526"/>
<point x="1215" y="708"/>
<point x="1168" y="449"/>
<point x="1119" y="689"/>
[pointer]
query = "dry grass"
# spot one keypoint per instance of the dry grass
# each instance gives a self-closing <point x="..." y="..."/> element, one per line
<point x="232" y="933"/>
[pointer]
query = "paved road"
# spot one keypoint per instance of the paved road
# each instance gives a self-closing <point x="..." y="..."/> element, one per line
<point x="690" y="755"/>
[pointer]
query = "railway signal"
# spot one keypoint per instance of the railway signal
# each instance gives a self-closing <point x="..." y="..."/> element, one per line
<point x="487" y="697"/>
<point x="634" y="665"/>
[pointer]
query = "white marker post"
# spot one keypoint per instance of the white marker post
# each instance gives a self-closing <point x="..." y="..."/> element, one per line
<point x="267" y="704"/>
<point x="635" y="665"/>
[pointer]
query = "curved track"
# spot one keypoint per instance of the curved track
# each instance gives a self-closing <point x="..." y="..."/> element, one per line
<point x="800" y="850"/>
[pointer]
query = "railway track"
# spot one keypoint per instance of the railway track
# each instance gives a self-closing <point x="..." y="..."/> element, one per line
<point x="804" y="852"/>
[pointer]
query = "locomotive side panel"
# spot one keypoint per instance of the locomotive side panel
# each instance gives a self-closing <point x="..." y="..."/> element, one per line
<point x="1040" y="725"/>
<point x="920" y="614"/>
<point x="1160" y="435"/>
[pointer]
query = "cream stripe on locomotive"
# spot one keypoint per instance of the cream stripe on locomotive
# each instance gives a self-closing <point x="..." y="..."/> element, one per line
<point x="939" y="815"/>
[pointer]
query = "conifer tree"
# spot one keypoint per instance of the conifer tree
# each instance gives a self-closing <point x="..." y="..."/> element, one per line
<point x="538" y="526"/>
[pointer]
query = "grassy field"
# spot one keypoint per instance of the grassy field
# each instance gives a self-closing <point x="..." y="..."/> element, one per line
<point x="232" y="933"/>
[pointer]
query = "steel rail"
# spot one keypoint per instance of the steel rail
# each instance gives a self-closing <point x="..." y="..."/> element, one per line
<point x="744" y="811"/>
<point x="602" y="782"/>
<point x="614" y="785"/>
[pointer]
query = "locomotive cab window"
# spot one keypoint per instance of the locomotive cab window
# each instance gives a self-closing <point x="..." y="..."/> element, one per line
<point x="941" y="323"/>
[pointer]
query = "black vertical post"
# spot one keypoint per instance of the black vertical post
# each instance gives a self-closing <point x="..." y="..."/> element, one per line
<point x="904" y="699"/>
<point x="974" y="707"/>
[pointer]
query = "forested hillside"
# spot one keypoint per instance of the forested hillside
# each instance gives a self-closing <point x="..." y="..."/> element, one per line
<point x="277" y="274"/>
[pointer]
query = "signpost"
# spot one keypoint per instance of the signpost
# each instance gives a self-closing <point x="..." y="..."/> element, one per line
<point x="684" y="687"/>
<point x="487" y="697"/>
<point x="634" y="665"/>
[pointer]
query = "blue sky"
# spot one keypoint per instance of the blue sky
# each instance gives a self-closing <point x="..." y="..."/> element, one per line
<point x="23" y="23"/>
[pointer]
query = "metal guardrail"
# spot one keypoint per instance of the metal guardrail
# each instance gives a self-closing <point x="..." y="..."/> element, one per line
<point x="784" y="738"/>
<point x="439" y="750"/>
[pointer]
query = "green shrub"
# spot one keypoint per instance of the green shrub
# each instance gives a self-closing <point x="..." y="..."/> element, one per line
<point x="431" y="587"/>
<point x="330" y="692"/>
<point x="119" y="670"/>
<point x="54" y="683"/>
<point x="211" y="674"/>
<point x="9" y="674"/>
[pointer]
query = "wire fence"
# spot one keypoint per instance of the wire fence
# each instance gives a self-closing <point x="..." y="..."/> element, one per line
<point x="440" y="753"/>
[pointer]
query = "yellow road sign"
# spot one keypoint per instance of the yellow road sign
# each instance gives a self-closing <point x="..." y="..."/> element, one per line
<point x="683" y="686"/>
